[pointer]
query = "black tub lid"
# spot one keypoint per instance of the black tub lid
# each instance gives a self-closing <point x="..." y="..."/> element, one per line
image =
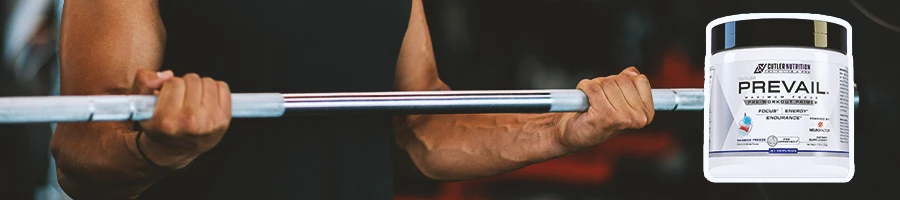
<point x="779" y="32"/>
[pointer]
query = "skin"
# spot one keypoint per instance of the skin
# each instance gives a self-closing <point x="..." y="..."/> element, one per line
<point x="101" y="40"/>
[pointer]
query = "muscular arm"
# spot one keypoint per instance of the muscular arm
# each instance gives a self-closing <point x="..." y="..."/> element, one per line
<point x="103" y="43"/>
<point x="464" y="146"/>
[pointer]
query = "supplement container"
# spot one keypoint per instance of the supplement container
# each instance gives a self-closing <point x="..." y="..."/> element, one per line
<point x="779" y="104"/>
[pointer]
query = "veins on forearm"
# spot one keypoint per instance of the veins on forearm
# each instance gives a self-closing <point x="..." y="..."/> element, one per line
<point x="481" y="144"/>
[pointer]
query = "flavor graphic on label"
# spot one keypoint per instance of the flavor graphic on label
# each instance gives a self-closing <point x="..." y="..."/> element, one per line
<point x="745" y="125"/>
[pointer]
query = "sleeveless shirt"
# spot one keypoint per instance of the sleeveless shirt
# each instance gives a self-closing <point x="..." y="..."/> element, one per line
<point x="294" y="46"/>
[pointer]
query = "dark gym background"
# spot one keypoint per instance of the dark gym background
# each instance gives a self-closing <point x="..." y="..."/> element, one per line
<point x="527" y="44"/>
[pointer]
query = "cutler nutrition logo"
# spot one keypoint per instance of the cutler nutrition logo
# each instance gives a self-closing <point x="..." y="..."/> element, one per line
<point x="782" y="68"/>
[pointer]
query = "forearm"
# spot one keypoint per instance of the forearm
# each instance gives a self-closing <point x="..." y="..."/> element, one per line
<point x="454" y="147"/>
<point x="466" y="146"/>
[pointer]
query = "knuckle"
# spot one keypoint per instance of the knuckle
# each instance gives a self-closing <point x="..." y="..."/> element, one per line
<point x="192" y="76"/>
<point x="643" y="118"/>
<point x="219" y="128"/>
<point x="209" y="82"/>
<point x="608" y="81"/>
<point x="639" y="77"/>
<point x="222" y="84"/>
<point x="204" y="126"/>
<point x="589" y="87"/>
<point x="194" y="129"/>
<point x="218" y="125"/>
<point x="618" y="77"/>
<point x="634" y="69"/>
<point x="225" y="112"/>
<point x="223" y="117"/>
<point x="584" y="84"/>
<point x="168" y="125"/>
<point x="175" y="80"/>
<point x="640" y="121"/>
<point x="220" y="121"/>
<point x="190" y="117"/>
<point x="192" y="79"/>
<point x="623" y="80"/>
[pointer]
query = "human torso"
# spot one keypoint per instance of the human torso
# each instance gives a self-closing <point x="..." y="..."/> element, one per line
<point x="288" y="47"/>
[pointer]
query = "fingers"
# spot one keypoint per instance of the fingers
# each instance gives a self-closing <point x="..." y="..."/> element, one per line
<point x="624" y="101"/>
<point x="146" y="81"/>
<point x="642" y="89"/>
<point x="193" y="94"/>
<point x="172" y="94"/>
<point x="164" y="76"/>
<point x="630" y="71"/>
<point x="210" y="97"/>
<point x="613" y="93"/>
<point x="224" y="97"/>
<point x="642" y="84"/>
<point x="632" y="97"/>
<point x="596" y="97"/>
<point x="189" y="118"/>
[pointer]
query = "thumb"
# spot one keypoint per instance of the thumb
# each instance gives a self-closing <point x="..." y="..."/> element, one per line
<point x="146" y="81"/>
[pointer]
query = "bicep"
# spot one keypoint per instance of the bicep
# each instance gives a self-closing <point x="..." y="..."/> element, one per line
<point x="416" y="71"/>
<point x="416" y="68"/>
<point x="102" y="45"/>
<point x="104" y="42"/>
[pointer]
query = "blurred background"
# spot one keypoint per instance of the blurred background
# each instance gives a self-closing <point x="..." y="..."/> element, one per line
<point x="545" y="44"/>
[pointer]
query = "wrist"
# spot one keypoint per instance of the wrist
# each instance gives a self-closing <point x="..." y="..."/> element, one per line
<point x="162" y="155"/>
<point x="562" y="136"/>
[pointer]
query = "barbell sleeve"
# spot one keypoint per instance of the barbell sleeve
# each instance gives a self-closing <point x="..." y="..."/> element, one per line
<point x="261" y="105"/>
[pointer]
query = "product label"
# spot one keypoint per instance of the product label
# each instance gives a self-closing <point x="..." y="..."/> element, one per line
<point x="779" y="108"/>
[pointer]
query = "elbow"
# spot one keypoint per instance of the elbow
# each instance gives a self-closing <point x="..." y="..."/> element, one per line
<point x="68" y="185"/>
<point x="430" y="157"/>
<point x="446" y="167"/>
<point x="84" y="172"/>
<point x="62" y="159"/>
<point x="73" y="176"/>
<point x="85" y="188"/>
<point x="422" y="161"/>
<point x="431" y="169"/>
<point x="418" y="154"/>
<point x="57" y="150"/>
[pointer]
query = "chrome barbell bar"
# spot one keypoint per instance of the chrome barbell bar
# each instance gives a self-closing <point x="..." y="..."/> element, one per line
<point x="261" y="105"/>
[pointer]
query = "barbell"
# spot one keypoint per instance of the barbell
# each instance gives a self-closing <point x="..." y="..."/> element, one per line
<point x="49" y="109"/>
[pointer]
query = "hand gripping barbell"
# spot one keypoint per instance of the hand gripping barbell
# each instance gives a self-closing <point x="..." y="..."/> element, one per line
<point x="261" y="105"/>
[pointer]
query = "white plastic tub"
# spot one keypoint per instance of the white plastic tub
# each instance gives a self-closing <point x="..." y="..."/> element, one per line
<point x="779" y="99"/>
